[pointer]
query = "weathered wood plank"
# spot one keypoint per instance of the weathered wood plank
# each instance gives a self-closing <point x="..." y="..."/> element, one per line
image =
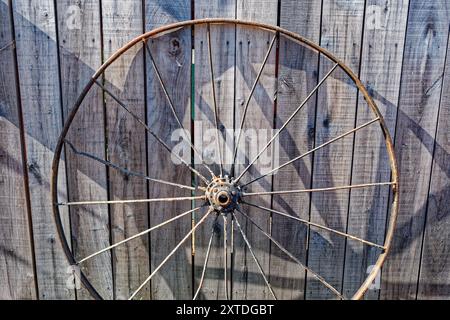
<point x="123" y="21"/>
<point x="342" y="23"/>
<point x="35" y="29"/>
<point x="17" y="279"/>
<point x="172" y="54"/>
<point x="223" y="59"/>
<point x="251" y="47"/>
<point x="434" y="279"/>
<point x="381" y="62"/>
<point x="298" y="70"/>
<point x="422" y="73"/>
<point x="80" y="55"/>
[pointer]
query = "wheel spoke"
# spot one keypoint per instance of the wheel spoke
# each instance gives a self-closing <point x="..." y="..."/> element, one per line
<point x="205" y="263"/>
<point x="123" y="105"/>
<point x="225" y="257"/>
<point x="314" y="274"/>
<point x="355" y="186"/>
<point x="316" y="225"/>
<point x="254" y="256"/>
<point x="172" y="107"/>
<point x="7" y="46"/>
<point x="138" y="235"/>
<point x="313" y="150"/>
<point x="231" y="255"/>
<point x="213" y="93"/>
<point x="170" y="254"/>
<point x="126" y="171"/>
<point x="94" y="202"/>
<point x="287" y="121"/>
<point x="247" y="102"/>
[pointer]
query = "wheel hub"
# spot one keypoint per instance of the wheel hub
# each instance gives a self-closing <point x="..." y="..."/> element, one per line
<point x="223" y="195"/>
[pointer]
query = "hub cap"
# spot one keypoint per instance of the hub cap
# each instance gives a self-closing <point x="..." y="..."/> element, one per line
<point x="223" y="195"/>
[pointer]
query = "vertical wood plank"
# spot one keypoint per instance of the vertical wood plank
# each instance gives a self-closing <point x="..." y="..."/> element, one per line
<point x="342" y="23"/>
<point x="17" y="280"/>
<point x="298" y="70"/>
<point x="35" y="29"/>
<point x="381" y="62"/>
<point x="435" y="264"/>
<point x="79" y="38"/>
<point x="123" y="21"/>
<point x="223" y="56"/>
<point x="172" y="54"/>
<point x="251" y="47"/>
<point x="422" y="74"/>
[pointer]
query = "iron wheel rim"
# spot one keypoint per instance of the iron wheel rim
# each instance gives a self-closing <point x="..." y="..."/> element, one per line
<point x="392" y="213"/>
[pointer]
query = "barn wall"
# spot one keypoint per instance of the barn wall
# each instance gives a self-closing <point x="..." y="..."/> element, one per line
<point x="399" y="49"/>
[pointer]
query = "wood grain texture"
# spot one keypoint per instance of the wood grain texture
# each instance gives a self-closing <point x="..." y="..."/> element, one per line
<point x="79" y="38"/>
<point x="434" y="281"/>
<point x="35" y="30"/>
<point x="298" y="71"/>
<point x="122" y="21"/>
<point x="172" y="54"/>
<point x="59" y="45"/>
<point x="422" y="74"/>
<point x="223" y="58"/>
<point x="381" y="62"/>
<point x="251" y="47"/>
<point x="342" y="23"/>
<point x="17" y="279"/>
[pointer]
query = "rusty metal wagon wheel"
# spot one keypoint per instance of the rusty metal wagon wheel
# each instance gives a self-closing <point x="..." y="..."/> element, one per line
<point x="224" y="193"/>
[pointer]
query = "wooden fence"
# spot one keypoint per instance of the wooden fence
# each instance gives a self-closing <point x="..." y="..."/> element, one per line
<point x="50" y="49"/>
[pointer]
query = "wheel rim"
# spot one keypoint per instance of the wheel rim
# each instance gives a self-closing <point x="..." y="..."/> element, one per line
<point x="227" y="199"/>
